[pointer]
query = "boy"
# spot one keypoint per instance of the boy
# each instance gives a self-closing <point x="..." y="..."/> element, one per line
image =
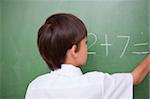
<point x="62" y="44"/>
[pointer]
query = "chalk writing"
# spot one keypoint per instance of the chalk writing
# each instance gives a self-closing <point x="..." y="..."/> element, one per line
<point x="107" y="44"/>
<point x="140" y="44"/>
<point x="93" y="43"/>
<point x="126" y="45"/>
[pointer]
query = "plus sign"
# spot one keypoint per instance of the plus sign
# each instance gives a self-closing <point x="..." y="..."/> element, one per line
<point x="106" y="44"/>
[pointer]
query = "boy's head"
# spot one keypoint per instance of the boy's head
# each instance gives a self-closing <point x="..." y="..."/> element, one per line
<point x="62" y="39"/>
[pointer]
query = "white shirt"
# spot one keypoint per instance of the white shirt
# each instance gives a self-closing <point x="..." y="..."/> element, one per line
<point x="69" y="83"/>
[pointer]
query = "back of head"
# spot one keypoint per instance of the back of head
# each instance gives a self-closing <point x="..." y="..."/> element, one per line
<point x="58" y="34"/>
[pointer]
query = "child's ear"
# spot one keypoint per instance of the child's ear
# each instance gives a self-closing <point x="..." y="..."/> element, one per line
<point x="73" y="51"/>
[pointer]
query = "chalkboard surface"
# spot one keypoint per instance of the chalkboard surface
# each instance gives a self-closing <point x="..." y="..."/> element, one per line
<point x="118" y="39"/>
<point x="0" y="48"/>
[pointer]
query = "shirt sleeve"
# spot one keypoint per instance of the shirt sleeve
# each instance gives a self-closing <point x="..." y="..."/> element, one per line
<point x="118" y="86"/>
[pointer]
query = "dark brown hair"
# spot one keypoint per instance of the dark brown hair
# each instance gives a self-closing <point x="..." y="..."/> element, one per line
<point x="58" y="34"/>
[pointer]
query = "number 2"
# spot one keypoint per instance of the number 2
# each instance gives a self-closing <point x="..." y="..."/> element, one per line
<point x="93" y="43"/>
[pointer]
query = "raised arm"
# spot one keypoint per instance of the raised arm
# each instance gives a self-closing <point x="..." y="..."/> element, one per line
<point x="141" y="71"/>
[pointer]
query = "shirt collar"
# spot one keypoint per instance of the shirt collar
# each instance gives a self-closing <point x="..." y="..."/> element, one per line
<point x="69" y="70"/>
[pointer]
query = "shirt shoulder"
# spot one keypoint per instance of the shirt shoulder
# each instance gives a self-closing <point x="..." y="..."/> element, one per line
<point x="40" y="80"/>
<point x="103" y="76"/>
<point x="37" y="88"/>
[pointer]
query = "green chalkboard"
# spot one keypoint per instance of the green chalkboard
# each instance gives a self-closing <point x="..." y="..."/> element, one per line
<point x="0" y="48"/>
<point x="149" y="22"/>
<point x="149" y="41"/>
<point x="118" y="39"/>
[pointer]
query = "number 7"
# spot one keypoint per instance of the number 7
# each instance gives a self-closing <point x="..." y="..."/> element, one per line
<point x="126" y="45"/>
